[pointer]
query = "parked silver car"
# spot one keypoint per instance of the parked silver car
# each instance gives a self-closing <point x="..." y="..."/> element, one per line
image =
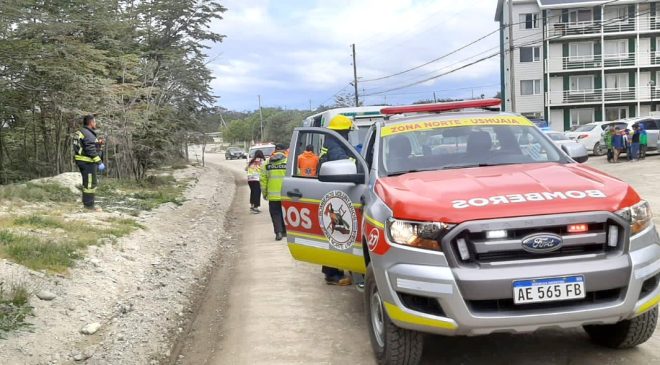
<point x="562" y="141"/>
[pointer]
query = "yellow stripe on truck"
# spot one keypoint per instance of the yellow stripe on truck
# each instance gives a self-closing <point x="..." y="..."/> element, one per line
<point x="340" y="260"/>
<point x="374" y="222"/>
<point x="648" y="305"/>
<point x="400" y="315"/>
<point x="406" y="127"/>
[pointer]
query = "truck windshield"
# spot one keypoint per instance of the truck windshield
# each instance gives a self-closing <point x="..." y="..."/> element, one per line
<point x="465" y="146"/>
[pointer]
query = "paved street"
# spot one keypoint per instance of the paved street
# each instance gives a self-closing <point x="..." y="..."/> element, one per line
<point x="279" y="311"/>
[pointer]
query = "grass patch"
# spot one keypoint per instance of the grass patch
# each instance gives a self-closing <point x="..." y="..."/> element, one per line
<point x="179" y="166"/>
<point x="134" y="196"/>
<point x="36" y="253"/>
<point x="14" y="307"/>
<point x="39" y="221"/>
<point x="60" y="253"/>
<point x="32" y="192"/>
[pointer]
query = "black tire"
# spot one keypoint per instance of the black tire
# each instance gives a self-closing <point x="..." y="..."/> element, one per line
<point x="625" y="334"/>
<point x="598" y="151"/>
<point x="394" y="345"/>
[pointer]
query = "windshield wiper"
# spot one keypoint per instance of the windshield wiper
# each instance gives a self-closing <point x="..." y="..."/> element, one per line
<point x="451" y="167"/>
<point x="399" y="173"/>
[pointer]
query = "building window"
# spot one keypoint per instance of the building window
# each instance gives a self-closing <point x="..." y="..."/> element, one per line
<point x="616" y="49"/>
<point x="616" y="15"/>
<point x="530" y="87"/>
<point x="582" y="116"/>
<point x="530" y="54"/>
<point x="581" y="51"/>
<point x="617" y="82"/>
<point x="616" y="113"/>
<point x="580" y="17"/>
<point x="529" y="21"/>
<point x="582" y="84"/>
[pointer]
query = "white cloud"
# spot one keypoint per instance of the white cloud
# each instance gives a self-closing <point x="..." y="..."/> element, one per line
<point x="302" y="48"/>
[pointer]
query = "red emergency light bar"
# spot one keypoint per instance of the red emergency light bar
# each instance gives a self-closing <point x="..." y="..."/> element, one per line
<point x="441" y="107"/>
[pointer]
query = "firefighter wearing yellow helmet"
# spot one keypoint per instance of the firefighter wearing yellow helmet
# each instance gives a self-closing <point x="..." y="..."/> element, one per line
<point x="333" y="150"/>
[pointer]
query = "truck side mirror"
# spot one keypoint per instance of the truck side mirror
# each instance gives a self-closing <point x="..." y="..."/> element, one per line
<point x="576" y="151"/>
<point x="340" y="171"/>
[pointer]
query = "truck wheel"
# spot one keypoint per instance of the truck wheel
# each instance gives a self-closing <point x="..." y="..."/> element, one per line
<point x="625" y="334"/>
<point x="392" y="345"/>
<point x="599" y="150"/>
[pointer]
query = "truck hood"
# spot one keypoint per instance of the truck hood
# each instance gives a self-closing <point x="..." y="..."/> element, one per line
<point x="459" y="195"/>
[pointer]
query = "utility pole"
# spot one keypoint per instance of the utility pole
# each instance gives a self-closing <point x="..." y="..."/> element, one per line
<point x="512" y="83"/>
<point x="261" y="120"/>
<point x="435" y="100"/>
<point x="355" y="84"/>
<point x="310" y="105"/>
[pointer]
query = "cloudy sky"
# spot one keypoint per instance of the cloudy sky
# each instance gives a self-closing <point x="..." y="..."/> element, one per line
<point x="294" y="51"/>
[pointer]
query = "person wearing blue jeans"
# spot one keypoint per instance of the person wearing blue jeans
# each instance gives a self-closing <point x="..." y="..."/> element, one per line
<point x="634" y="143"/>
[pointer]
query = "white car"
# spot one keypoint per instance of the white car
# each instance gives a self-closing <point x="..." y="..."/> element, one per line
<point x="560" y="139"/>
<point x="590" y="135"/>
<point x="266" y="148"/>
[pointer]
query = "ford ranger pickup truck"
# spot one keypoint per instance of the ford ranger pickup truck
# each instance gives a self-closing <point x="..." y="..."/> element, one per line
<point x="467" y="222"/>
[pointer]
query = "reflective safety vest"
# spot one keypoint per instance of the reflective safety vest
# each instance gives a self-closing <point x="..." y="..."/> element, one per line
<point x="254" y="170"/>
<point x="85" y="146"/>
<point x="308" y="162"/>
<point x="272" y="176"/>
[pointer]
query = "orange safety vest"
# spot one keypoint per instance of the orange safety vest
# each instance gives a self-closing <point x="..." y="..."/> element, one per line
<point x="308" y="162"/>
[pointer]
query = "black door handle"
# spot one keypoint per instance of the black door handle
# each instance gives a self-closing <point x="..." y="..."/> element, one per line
<point x="294" y="194"/>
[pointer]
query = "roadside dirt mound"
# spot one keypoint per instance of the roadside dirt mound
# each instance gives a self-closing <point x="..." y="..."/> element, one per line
<point x="124" y="302"/>
<point x="70" y="180"/>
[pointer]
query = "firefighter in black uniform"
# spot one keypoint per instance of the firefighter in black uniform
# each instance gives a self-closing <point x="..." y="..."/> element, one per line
<point x="88" y="158"/>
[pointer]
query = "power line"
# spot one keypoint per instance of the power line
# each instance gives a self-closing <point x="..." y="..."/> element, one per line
<point x="543" y="18"/>
<point x="335" y="94"/>
<point x="433" y="60"/>
<point x="488" y="57"/>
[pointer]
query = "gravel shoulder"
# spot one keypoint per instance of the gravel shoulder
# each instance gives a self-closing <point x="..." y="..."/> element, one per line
<point x="132" y="297"/>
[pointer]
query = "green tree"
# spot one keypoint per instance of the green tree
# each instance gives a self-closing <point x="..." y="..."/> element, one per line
<point x="139" y="65"/>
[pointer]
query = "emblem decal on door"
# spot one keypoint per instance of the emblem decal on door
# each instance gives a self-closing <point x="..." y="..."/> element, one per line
<point x="374" y="237"/>
<point x="338" y="219"/>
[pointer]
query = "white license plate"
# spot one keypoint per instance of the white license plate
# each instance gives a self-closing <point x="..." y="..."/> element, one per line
<point x="548" y="289"/>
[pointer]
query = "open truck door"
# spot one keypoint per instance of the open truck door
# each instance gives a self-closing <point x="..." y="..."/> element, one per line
<point x="323" y="213"/>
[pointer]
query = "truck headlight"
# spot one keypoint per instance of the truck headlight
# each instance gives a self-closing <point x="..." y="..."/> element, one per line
<point x="639" y="216"/>
<point x="424" y="235"/>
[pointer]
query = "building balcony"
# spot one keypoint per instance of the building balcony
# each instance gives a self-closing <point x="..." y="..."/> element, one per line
<point x="608" y="26"/>
<point x="649" y="24"/>
<point x="607" y="61"/>
<point x="574" y="28"/>
<point x="598" y="96"/>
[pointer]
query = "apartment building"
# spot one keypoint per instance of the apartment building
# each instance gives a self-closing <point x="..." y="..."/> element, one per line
<point x="577" y="61"/>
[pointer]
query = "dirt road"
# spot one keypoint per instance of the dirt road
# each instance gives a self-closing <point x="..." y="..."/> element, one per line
<point x="267" y="308"/>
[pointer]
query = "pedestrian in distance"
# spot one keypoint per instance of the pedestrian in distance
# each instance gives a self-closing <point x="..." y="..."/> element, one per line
<point x="618" y="144"/>
<point x="308" y="162"/>
<point x="87" y="154"/>
<point x="609" y="133"/>
<point x="271" y="177"/>
<point x="634" y="143"/>
<point x="627" y="143"/>
<point x="254" y="180"/>
<point x="333" y="150"/>
<point x="643" y="142"/>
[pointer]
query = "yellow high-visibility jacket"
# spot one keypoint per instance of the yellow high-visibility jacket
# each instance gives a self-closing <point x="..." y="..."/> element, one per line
<point x="272" y="176"/>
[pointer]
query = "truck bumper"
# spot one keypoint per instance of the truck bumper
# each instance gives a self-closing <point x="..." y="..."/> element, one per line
<point x="427" y="296"/>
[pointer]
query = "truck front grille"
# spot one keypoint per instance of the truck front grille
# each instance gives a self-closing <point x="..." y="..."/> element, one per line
<point x="483" y="250"/>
